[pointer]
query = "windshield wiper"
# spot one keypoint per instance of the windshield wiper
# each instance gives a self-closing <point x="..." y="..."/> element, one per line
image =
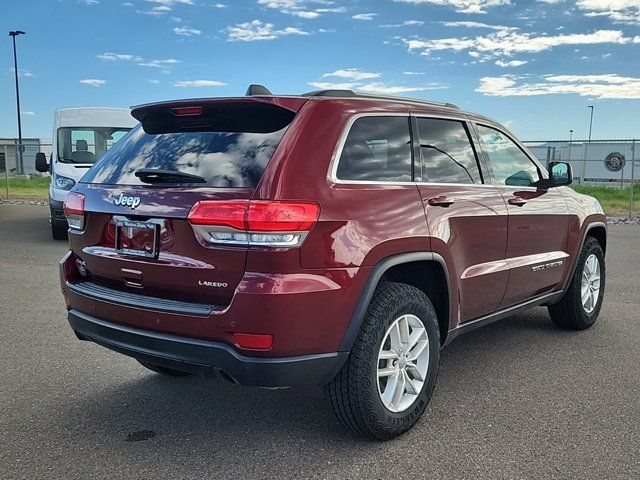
<point x="156" y="175"/>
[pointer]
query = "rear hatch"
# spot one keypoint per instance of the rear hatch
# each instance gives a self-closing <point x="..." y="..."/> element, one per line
<point x="136" y="235"/>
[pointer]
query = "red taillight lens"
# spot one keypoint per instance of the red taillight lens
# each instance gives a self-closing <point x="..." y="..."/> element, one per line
<point x="254" y="222"/>
<point x="74" y="204"/>
<point x="220" y="213"/>
<point x="187" y="111"/>
<point x="253" y="341"/>
<point x="265" y="216"/>
<point x="256" y="215"/>
<point x="74" y="210"/>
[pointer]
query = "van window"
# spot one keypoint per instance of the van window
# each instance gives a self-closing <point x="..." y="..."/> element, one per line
<point x="377" y="149"/>
<point x="446" y="152"/>
<point x="86" y="144"/>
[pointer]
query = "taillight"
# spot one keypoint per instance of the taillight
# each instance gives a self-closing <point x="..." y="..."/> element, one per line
<point x="255" y="222"/>
<point x="74" y="210"/>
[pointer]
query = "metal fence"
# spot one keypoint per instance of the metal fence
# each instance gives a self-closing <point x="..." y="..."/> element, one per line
<point x="606" y="169"/>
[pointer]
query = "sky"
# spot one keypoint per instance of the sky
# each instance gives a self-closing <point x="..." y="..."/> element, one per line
<point x="534" y="65"/>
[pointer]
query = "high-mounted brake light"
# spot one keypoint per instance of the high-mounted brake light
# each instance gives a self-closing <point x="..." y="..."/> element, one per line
<point x="74" y="210"/>
<point x="187" y="111"/>
<point x="255" y="222"/>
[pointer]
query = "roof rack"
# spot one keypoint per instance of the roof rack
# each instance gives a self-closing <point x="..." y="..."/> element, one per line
<point x="335" y="93"/>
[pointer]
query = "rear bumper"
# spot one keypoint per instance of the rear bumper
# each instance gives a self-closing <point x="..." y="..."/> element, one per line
<point x="205" y="357"/>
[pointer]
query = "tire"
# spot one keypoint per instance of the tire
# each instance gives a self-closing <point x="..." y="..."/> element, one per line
<point x="570" y="312"/>
<point x="58" y="230"/>
<point x="163" y="370"/>
<point x="355" y="393"/>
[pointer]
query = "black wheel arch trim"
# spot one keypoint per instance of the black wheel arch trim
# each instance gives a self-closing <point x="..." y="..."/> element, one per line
<point x="374" y="279"/>
<point x="589" y="227"/>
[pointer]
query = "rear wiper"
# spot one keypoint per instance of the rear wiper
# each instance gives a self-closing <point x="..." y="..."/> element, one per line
<point x="156" y="175"/>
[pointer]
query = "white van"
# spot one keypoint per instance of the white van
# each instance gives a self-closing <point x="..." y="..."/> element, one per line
<point x="80" y="137"/>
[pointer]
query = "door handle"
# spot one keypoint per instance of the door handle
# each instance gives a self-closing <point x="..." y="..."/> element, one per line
<point x="517" y="201"/>
<point x="440" y="201"/>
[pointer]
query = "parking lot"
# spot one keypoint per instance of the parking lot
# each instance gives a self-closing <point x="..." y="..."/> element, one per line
<point x="517" y="399"/>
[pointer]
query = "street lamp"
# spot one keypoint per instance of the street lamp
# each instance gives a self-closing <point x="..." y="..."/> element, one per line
<point x="590" y="121"/>
<point x="14" y="34"/>
<point x="570" y="136"/>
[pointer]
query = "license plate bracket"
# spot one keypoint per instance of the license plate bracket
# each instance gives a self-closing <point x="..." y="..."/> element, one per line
<point x="139" y="239"/>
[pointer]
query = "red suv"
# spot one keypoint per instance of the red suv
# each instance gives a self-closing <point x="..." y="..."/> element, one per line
<point x="331" y="238"/>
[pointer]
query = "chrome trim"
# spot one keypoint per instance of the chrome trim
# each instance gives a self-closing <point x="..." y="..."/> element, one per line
<point x="511" y="263"/>
<point x="337" y="153"/>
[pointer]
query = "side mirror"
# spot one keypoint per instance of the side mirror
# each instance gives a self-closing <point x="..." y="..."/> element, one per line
<point x="41" y="162"/>
<point x="560" y="174"/>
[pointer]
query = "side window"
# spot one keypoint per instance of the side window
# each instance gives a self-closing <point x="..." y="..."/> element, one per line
<point x="377" y="149"/>
<point x="446" y="151"/>
<point x="510" y="165"/>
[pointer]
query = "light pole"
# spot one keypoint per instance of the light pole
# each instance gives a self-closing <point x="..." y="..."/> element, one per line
<point x="14" y="34"/>
<point x="570" y="136"/>
<point x="590" y="121"/>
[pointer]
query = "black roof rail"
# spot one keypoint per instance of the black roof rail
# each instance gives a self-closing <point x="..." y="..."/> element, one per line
<point x="335" y="93"/>
<point x="255" y="89"/>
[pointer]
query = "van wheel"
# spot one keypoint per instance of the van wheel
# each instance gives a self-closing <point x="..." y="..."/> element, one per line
<point x="58" y="230"/>
<point x="387" y="381"/>
<point x="581" y="303"/>
<point x="164" y="370"/>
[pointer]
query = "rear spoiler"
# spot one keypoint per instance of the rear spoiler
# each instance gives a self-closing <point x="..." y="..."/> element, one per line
<point x="246" y="114"/>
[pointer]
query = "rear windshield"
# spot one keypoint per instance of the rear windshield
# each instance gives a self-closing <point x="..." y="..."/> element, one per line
<point x="222" y="159"/>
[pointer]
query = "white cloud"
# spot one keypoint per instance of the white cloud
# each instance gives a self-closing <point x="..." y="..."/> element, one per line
<point x="470" y="24"/>
<point x="511" y="63"/>
<point x="508" y="42"/>
<point x="155" y="82"/>
<point x="219" y="5"/>
<point x="187" y="32"/>
<point x="167" y="62"/>
<point x="406" y="23"/>
<point x="604" y="86"/>
<point x="376" y="87"/>
<point x="335" y="85"/>
<point x="364" y="16"/>
<point x="171" y="3"/>
<point x="307" y="9"/>
<point x="90" y="2"/>
<point x="619" y="11"/>
<point x="127" y="4"/>
<point x="352" y="74"/>
<point x="28" y="113"/>
<point x="199" y="83"/>
<point x="256" y="30"/>
<point x="22" y="73"/>
<point x="112" y="57"/>
<point x="463" y="6"/>
<point x="94" y="82"/>
<point x="413" y="73"/>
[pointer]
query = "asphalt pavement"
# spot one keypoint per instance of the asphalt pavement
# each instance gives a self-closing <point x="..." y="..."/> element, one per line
<point x="517" y="399"/>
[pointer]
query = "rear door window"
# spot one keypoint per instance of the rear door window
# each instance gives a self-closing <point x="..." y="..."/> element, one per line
<point x="377" y="149"/>
<point x="222" y="159"/>
<point x="446" y="152"/>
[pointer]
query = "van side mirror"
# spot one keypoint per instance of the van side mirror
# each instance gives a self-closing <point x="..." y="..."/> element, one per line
<point x="41" y="162"/>
<point x="560" y="174"/>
